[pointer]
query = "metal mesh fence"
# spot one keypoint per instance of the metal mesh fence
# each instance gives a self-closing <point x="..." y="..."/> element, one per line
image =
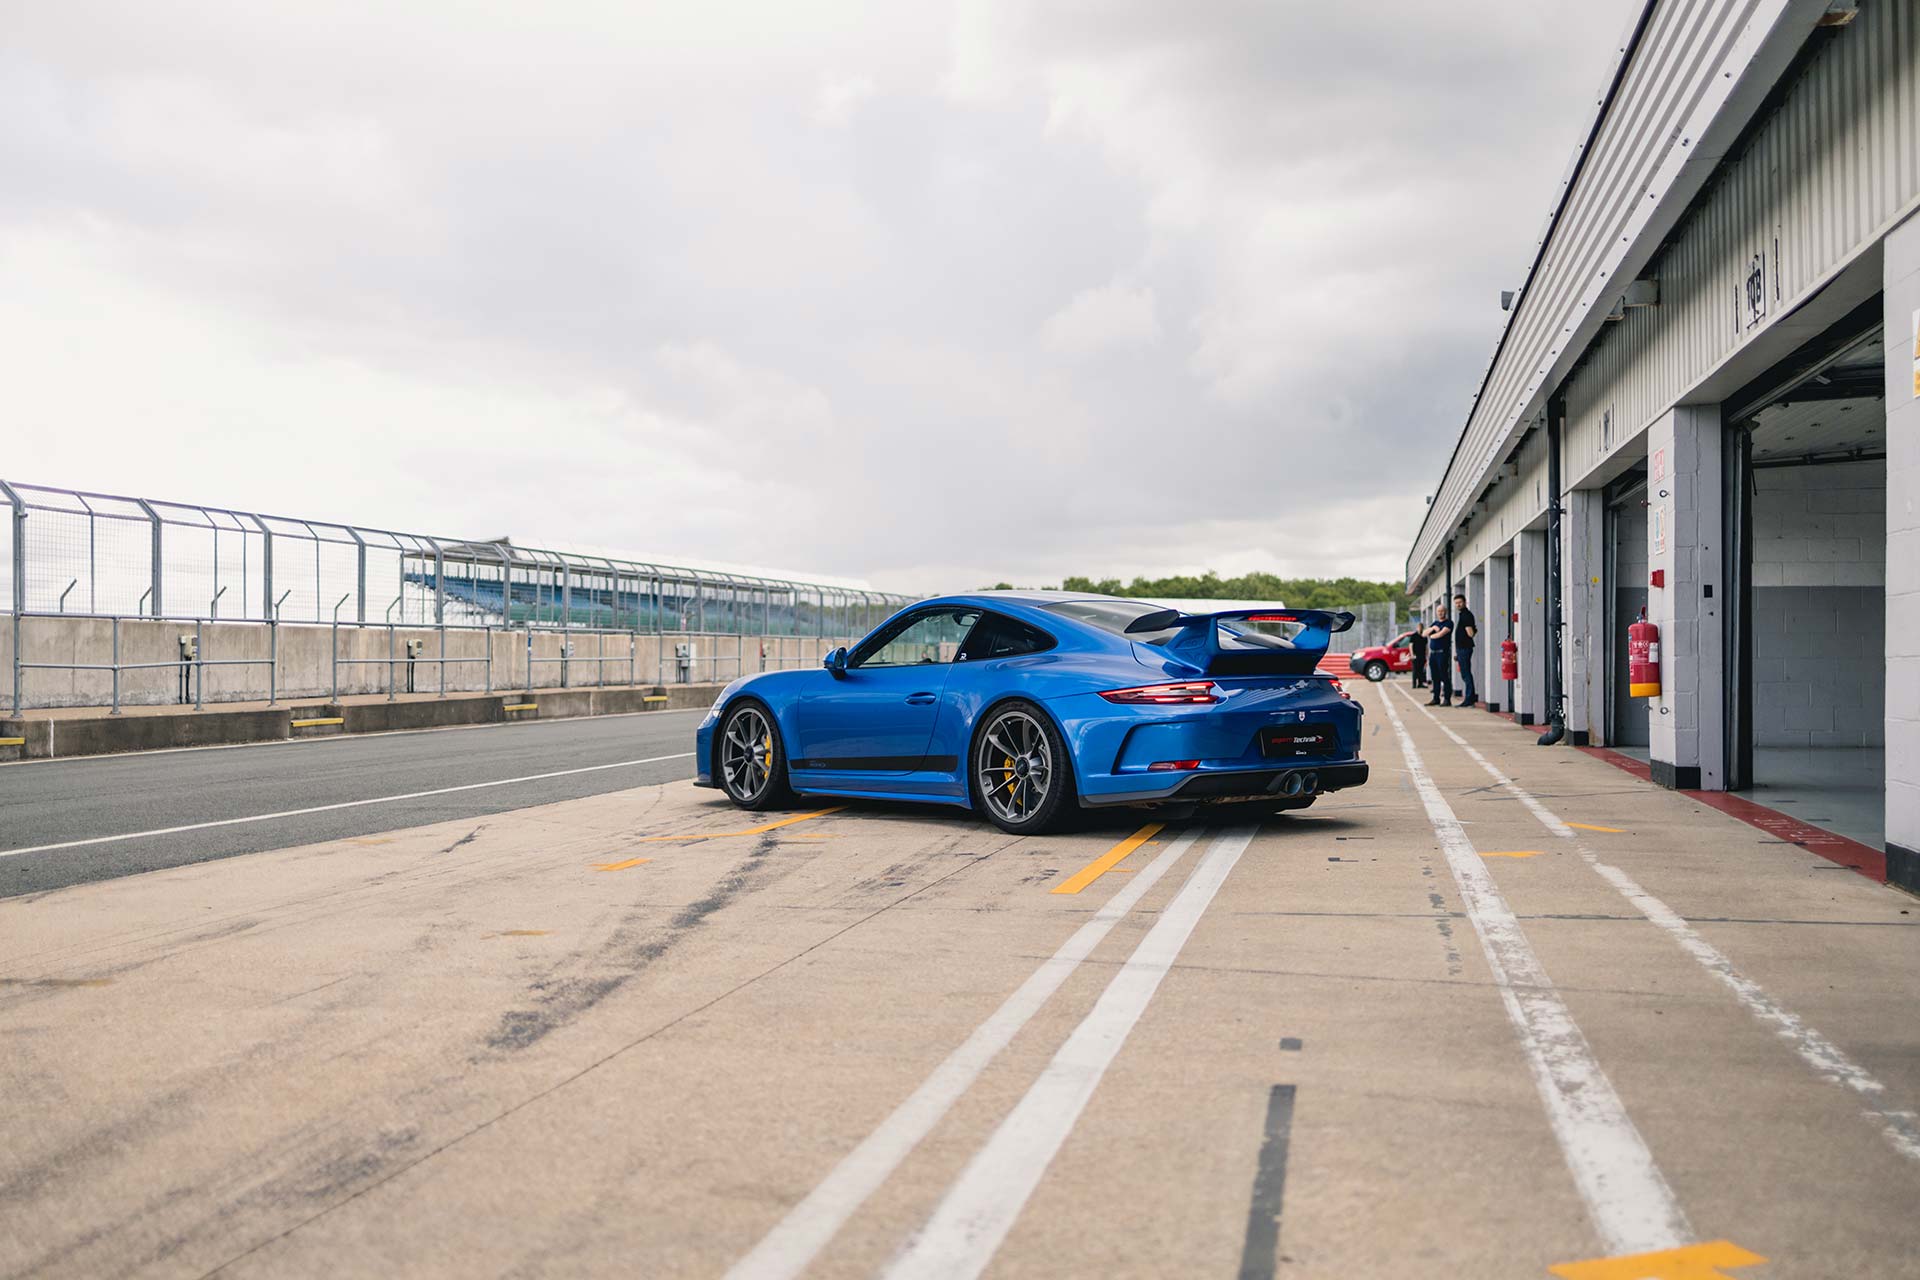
<point x="68" y="551"/>
<point x="1373" y="624"/>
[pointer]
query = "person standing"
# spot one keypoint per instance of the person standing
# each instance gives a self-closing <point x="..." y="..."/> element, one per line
<point x="1440" y="658"/>
<point x="1466" y="630"/>
<point x="1417" y="643"/>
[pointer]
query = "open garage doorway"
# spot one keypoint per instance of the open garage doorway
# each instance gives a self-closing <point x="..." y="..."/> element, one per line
<point x="1807" y="482"/>
<point x="1626" y="599"/>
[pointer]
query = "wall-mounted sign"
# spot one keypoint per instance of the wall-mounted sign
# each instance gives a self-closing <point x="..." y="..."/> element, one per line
<point x="1659" y="531"/>
<point x="1659" y="465"/>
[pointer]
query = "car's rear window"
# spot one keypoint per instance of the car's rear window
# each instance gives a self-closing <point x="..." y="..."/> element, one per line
<point x="1112" y="615"/>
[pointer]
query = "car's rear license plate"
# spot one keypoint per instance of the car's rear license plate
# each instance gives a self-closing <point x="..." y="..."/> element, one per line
<point x="1298" y="740"/>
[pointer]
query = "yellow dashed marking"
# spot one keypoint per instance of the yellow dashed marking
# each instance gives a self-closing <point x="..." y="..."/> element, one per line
<point x="309" y="724"/>
<point x="656" y="697"/>
<point x="1689" y="1262"/>
<point x="1517" y="853"/>
<point x="752" y="831"/>
<point x="1108" y="860"/>
<point x="1612" y="831"/>
<point x="520" y="706"/>
<point x="13" y="742"/>
<point x="622" y="866"/>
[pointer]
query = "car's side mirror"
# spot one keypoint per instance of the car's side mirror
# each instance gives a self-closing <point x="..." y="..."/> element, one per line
<point x="836" y="662"/>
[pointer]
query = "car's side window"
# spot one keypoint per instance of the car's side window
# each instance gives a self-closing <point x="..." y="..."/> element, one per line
<point x="997" y="636"/>
<point x="921" y="638"/>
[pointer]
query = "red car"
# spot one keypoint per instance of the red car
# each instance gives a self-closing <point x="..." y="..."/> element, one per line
<point x="1377" y="660"/>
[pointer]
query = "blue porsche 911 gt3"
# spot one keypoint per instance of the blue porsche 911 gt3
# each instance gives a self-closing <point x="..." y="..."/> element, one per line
<point x="1022" y="704"/>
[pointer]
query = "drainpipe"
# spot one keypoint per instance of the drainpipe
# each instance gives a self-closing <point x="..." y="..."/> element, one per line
<point x="1556" y="682"/>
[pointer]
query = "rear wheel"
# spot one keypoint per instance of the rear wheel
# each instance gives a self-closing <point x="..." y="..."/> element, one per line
<point x="753" y="765"/>
<point x="1020" y="771"/>
<point x="1376" y="670"/>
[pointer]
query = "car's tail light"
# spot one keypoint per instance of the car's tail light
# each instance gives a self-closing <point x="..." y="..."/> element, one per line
<point x="1182" y="694"/>
<point x="1172" y="766"/>
<point x="1340" y="688"/>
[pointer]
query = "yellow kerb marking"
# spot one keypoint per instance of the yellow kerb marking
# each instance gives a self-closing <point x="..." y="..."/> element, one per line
<point x="1517" y="853"/>
<point x="1612" y="831"/>
<point x="520" y="706"/>
<point x="656" y="697"/>
<point x="308" y="724"/>
<point x="752" y="831"/>
<point x="13" y="742"/>
<point x="1689" y="1262"/>
<point x="622" y="866"/>
<point x="1108" y="860"/>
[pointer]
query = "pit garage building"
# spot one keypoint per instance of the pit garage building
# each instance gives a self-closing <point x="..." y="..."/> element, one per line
<point x="1706" y="403"/>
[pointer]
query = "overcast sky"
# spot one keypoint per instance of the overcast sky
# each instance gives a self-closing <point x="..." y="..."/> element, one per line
<point x="925" y="294"/>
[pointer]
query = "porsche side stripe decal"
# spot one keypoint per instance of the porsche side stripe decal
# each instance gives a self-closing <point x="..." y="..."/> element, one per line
<point x="881" y="764"/>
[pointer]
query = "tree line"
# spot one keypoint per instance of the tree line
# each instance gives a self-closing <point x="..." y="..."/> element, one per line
<point x="1301" y="593"/>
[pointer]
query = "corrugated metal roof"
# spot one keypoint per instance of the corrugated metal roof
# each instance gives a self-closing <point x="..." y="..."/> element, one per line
<point x="1691" y="75"/>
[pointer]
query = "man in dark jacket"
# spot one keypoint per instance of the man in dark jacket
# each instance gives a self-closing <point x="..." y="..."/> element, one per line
<point x="1440" y="658"/>
<point x="1418" y="644"/>
<point x="1466" y="631"/>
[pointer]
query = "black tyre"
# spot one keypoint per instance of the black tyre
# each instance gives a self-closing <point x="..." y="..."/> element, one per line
<point x="1376" y="671"/>
<point x="750" y="759"/>
<point x="1022" y="778"/>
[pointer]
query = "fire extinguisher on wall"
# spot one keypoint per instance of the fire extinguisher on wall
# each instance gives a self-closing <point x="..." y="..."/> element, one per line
<point x="1509" y="659"/>
<point x="1643" y="658"/>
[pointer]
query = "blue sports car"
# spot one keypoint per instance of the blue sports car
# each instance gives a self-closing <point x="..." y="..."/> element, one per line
<point x="1025" y="704"/>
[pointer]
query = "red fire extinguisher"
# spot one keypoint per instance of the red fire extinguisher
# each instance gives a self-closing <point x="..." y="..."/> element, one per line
<point x="1643" y="658"/>
<point x="1509" y="659"/>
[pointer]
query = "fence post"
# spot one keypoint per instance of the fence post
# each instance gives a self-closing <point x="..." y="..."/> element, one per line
<point x="116" y="666"/>
<point x="19" y="580"/>
<point x="159" y="609"/>
<point x="199" y="672"/>
<point x="336" y="645"/>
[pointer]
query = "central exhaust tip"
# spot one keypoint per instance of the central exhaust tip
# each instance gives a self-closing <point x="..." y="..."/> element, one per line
<point x="1310" y="783"/>
<point x="1291" y="784"/>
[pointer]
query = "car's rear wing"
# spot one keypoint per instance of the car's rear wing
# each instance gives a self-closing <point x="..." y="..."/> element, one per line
<point x="1247" y="642"/>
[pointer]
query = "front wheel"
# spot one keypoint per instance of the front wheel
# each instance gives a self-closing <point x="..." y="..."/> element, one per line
<point x="753" y="764"/>
<point x="1021" y="774"/>
<point x="1376" y="671"/>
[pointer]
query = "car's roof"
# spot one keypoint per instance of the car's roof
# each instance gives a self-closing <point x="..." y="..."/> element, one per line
<point x="1031" y="596"/>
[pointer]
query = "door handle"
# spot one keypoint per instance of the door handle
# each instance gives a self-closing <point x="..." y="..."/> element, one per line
<point x="921" y="699"/>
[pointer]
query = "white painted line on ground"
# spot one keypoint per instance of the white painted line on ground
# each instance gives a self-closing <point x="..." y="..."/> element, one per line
<point x="1901" y="1127"/>
<point x="344" y="804"/>
<point x="1627" y="1197"/>
<point x="966" y="1229"/>
<point x="786" y="1251"/>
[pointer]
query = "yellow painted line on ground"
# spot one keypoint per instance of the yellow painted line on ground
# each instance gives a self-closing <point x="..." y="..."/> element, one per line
<point x="751" y="831"/>
<point x="308" y="724"/>
<point x="1689" y="1262"/>
<point x="1108" y="860"/>
<point x="622" y="866"/>
<point x="13" y="742"/>
<point x="656" y="697"/>
<point x="1612" y="831"/>
<point x="520" y="706"/>
<point x="1517" y="853"/>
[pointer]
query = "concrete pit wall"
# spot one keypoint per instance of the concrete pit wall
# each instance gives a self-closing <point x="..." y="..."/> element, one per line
<point x="305" y="667"/>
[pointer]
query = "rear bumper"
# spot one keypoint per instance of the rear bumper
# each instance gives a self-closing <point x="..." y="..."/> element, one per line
<point x="1236" y="784"/>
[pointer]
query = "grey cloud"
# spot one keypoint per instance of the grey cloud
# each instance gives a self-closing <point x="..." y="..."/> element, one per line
<point x="616" y="275"/>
